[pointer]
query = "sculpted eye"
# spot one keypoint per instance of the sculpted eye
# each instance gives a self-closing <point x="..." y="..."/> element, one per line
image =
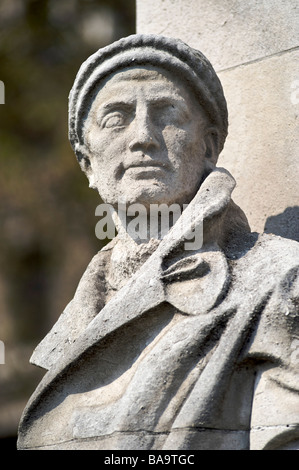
<point x="170" y="113"/>
<point x="113" y="120"/>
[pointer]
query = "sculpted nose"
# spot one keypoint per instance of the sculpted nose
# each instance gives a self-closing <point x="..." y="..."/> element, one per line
<point x="143" y="134"/>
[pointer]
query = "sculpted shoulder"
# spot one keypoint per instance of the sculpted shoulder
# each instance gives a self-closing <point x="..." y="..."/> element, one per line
<point x="278" y="252"/>
<point x="272" y="252"/>
<point x="88" y="300"/>
<point x="270" y="265"/>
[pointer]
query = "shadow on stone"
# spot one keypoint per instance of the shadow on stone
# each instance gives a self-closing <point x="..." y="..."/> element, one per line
<point x="285" y="224"/>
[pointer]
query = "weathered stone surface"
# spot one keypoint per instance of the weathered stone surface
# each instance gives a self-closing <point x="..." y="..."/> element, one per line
<point x="262" y="147"/>
<point x="228" y="33"/>
<point x="167" y="346"/>
<point x="253" y="45"/>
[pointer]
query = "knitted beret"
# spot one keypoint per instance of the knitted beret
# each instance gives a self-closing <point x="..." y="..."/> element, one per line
<point x="138" y="50"/>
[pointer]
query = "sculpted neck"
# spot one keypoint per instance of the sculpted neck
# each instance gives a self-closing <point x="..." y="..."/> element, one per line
<point x="209" y="217"/>
<point x="141" y="225"/>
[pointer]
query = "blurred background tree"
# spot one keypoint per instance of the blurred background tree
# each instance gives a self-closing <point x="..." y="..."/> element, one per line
<point x="47" y="210"/>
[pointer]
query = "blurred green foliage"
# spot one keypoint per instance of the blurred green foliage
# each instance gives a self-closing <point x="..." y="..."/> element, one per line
<point x="47" y="211"/>
<point x="46" y="203"/>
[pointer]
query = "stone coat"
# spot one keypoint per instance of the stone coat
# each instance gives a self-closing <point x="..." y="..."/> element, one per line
<point x="163" y="348"/>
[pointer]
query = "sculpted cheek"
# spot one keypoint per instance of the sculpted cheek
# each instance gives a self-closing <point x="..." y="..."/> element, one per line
<point x="106" y="147"/>
<point x="98" y="142"/>
<point x="178" y="146"/>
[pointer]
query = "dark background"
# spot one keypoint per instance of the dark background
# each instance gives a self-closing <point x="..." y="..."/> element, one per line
<point x="47" y="210"/>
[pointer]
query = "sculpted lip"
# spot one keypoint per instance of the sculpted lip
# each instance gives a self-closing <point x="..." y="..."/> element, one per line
<point x="146" y="170"/>
<point x="142" y="168"/>
<point x="146" y="163"/>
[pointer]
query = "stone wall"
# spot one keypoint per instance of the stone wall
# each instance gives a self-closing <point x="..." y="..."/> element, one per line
<point x="253" y="46"/>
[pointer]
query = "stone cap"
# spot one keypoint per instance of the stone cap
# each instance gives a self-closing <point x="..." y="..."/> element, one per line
<point x="139" y="50"/>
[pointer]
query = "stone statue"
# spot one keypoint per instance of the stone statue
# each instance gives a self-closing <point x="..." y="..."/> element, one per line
<point x="167" y="345"/>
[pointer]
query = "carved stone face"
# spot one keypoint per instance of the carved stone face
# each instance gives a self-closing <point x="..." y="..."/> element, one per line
<point x="145" y="135"/>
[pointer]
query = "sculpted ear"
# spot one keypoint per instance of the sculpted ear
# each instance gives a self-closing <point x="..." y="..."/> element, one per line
<point x="212" y="145"/>
<point x="85" y="164"/>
